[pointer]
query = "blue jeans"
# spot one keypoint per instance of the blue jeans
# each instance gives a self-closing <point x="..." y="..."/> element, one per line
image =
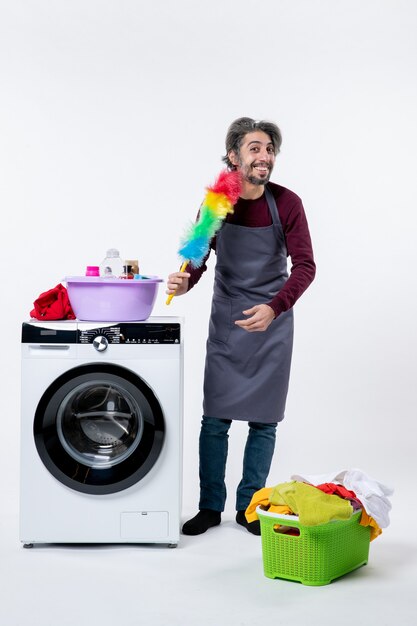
<point x="257" y="460"/>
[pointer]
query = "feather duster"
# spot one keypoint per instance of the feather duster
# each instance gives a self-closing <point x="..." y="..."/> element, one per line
<point x="219" y="200"/>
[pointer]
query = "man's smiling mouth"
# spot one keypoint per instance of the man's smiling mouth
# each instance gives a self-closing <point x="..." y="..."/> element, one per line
<point x="262" y="169"/>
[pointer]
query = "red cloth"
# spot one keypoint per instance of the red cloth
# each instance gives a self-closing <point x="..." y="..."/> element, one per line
<point x="339" y="490"/>
<point x="53" y="305"/>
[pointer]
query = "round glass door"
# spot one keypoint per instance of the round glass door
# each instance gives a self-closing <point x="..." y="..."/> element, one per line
<point x="99" y="423"/>
<point x="99" y="428"/>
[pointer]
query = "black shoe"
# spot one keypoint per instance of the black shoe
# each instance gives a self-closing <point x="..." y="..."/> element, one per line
<point x="205" y="519"/>
<point x="252" y="527"/>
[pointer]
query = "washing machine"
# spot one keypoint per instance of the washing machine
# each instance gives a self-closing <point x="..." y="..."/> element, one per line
<point x="101" y="432"/>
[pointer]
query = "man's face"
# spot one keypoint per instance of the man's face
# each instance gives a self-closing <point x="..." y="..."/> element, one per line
<point x="256" y="158"/>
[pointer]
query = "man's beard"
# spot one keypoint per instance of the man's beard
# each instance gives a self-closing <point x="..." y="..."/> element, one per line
<point x="258" y="181"/>
<point x="248" y="175"/>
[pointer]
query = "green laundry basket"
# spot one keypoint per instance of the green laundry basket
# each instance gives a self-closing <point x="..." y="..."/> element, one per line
<point x="318" y="554"/>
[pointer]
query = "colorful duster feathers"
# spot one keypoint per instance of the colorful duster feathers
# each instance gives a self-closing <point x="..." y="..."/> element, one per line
<point x="218" y="202"/>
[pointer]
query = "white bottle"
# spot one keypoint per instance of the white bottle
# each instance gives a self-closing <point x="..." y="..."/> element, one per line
<point x="112" y="264"/>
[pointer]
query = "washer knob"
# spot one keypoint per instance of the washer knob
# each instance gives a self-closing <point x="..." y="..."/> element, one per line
<point x="100" y="343"/>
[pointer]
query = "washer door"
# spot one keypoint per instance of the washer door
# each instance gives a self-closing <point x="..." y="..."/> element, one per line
<point x="99" y="428"/>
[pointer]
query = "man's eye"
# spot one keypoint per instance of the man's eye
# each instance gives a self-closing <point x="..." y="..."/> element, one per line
<point x="271" y="150"/>
<point x="254" y="149"/>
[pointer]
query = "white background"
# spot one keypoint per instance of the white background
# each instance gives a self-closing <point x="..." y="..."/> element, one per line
<point x="112" y="122"/>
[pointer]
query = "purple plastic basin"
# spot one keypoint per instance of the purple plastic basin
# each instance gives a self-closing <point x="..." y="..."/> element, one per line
<point x="98" y="299"/>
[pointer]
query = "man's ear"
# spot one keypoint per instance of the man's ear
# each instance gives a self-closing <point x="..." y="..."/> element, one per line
<point x="233" y="158"/>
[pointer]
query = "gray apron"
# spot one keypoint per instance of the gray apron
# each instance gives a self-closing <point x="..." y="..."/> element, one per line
<point x="247" y="374"/>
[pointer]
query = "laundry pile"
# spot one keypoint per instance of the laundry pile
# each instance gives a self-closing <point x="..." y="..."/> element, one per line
<point x="319" y="499"/>
<point x="53" y="304"/>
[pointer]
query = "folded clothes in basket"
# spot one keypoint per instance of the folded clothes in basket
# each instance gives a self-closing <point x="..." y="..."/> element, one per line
<point x="372" y="494"/>
<point x="315" y="504"/>
<point x="312" y="505"/>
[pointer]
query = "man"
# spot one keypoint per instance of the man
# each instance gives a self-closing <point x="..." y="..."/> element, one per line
<point x="251" y="325"/>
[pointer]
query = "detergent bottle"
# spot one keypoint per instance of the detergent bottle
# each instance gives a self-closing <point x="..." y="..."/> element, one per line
<point x="112" y="264"/>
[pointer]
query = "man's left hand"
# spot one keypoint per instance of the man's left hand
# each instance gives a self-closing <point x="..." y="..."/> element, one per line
<point x="261" y="315"/>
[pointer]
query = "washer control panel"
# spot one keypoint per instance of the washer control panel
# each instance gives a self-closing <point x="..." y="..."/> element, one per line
<point x="130" y="334"/>
<point x="101" y="334"/>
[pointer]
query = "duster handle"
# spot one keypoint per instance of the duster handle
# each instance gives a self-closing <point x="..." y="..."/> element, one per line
<point x="182" y="269"/>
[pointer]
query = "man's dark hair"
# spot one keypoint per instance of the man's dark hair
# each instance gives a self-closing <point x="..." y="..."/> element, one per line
<point x="244" y="125"/>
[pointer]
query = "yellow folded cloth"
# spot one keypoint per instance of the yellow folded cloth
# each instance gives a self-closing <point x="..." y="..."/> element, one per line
<point x="261" y="498"/>
<point x="367" y="520"/>
<point x="312" y="505"/>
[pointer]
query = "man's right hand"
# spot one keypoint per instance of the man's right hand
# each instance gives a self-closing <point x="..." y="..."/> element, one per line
<point x="177" y="283"/>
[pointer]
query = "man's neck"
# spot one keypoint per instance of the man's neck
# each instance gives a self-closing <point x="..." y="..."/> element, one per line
<point x="251" y="192"/>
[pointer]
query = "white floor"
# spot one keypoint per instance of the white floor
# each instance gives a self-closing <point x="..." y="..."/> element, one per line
<point x="215" y="579"/>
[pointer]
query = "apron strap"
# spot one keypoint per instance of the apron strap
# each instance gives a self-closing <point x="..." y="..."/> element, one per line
<point x="272" y="205"/>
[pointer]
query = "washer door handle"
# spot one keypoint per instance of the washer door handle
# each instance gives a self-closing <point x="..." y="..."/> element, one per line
<point x="100" y="343"/>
